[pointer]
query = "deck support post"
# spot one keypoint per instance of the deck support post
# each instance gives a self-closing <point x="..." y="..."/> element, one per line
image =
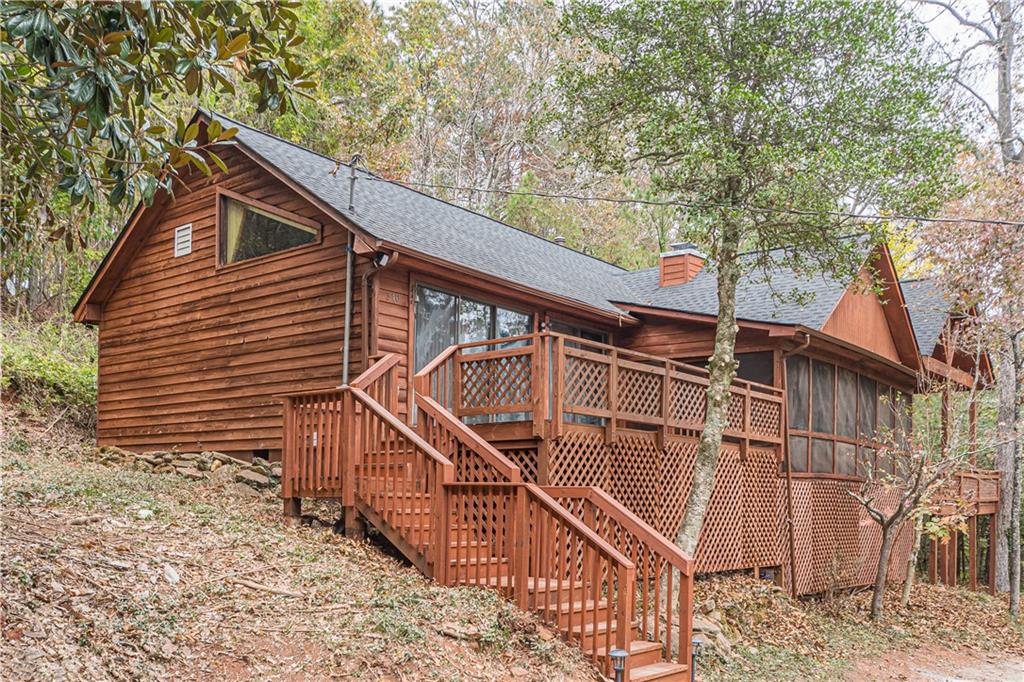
<point x="292" y="510"/>
<point x="353" y="524"/>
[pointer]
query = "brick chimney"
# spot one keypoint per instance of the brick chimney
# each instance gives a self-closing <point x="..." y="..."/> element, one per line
<point x="679" y="264"/>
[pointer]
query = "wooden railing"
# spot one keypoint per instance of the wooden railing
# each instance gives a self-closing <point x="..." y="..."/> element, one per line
<point x="664" y="606"/>
<point x="542" y="557"/>
<point x="552" y="379"/>
<point x="312" y="454"/>
<point x="489" y="529"/>
<point x="475" y="460"/>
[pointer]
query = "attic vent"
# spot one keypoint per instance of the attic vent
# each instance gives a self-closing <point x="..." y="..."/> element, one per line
<point x="183" y="240"/>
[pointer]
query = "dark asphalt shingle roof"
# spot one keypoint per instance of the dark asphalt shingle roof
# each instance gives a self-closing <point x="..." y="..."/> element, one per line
<point x="403" y="216"/>
<point x="406" y="217"/>
<point x="928" y="312"/>
<point x="758" y="298"/>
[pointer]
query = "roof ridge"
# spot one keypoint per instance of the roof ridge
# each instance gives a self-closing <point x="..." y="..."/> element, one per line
<point x="398" y="183"/>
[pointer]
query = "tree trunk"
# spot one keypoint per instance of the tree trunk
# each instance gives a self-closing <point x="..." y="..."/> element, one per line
<point x="1005" y="125"/>
<point x="1005" y="382"/>
<point x="915" y="549"/>
<point x="1018" y="370"/>
<point x="721" y="372"/>
<point x="883" y="570"/>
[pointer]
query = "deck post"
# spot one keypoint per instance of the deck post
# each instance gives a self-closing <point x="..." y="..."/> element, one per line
<point x="613" y="397"/>
<point x="972" y="545"/>
<point x="522" y="559"/>
<point x="292" y="510"/>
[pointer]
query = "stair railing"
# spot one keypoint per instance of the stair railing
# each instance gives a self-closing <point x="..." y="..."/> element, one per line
<point x="544" y="559"/>
<point x="664" y="573"/>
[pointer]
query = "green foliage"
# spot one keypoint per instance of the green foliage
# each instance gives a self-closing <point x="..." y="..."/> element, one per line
<point x="86" y="88"/>
<point x="786" y="104"/>
<point x="50" y="367"/>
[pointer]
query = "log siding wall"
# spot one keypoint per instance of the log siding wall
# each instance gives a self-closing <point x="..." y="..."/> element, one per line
<point x="192" y="355"/>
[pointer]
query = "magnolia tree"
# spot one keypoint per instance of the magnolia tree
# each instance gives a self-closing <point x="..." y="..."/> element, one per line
<point x="982" y="266"/>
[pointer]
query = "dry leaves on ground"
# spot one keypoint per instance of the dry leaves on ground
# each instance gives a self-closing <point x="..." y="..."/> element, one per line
<point x="116" y="574"/>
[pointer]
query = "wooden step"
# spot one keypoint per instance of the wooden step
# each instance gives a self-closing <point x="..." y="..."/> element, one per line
<point x="640" y="652"/>
<point x="662" y="671"/>
<point x="589" y="635"/>
<point x="480" y="568"/>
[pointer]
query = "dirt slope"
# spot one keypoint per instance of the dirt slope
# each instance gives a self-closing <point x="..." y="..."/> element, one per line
<point x="117" y="574"/>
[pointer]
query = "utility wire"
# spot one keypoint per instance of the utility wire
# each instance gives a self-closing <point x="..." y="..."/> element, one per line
<point x="700" y="205"/>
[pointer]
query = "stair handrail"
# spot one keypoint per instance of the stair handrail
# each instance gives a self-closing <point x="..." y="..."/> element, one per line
<point x="643" y="534"/>
<point x="440" y="531"/>
<point x="470" y="438"/>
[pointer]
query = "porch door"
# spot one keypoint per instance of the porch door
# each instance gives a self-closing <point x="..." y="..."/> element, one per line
<point x="444" y="318"/>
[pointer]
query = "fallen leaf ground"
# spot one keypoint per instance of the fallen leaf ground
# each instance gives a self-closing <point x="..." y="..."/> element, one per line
<point x="833" y="639"/>
<point x="117" y="574"/>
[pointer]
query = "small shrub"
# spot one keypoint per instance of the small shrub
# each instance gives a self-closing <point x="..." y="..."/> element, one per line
<point x="51" y="367"/>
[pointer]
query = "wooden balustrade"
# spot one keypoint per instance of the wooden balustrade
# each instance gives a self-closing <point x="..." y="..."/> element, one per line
<point x="516" y="538"/>
<point x="664" y="606"/>
<point x="312" y="456"/>
<point x="475" y="460"/>
<point x="552" y="379"/>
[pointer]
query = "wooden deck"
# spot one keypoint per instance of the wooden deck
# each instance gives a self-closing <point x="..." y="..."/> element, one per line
<point x="459" y="510"/>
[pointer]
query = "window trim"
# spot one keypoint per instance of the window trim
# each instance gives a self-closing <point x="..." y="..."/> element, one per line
<point x="276" y="213"/>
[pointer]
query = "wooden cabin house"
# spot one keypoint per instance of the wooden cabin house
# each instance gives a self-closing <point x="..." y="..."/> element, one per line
<point x="509" y="412"/>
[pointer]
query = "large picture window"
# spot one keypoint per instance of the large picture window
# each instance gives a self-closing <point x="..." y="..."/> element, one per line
<point x="838" y="418"/>
<point x="248" y="231"/>
<point x="443" y="319"/>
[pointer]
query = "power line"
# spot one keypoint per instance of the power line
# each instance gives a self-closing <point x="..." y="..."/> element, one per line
<point x="699" y="205"/>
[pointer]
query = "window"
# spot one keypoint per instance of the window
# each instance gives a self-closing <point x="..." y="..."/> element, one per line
<point x="247" y="231"/>
<point x="443" y="319"/>
<point x="837" y="418"/>
<point x="758" y="367"/>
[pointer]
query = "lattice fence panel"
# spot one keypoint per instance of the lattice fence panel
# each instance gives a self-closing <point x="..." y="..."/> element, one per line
<point x="735" y="413"/>
<point x="526" y="459"/>
<point x="675" y="479"/>
<point x="636" y="475"/>
<point x="496" y="382"/>
<point x="687" y="401"/>
<point x="639" y="392"/>
<point x="760" y="476"/>
<point x="586" y="383"/>
<point x="765" y="416"/>
<point x="580" y="457"/>
<point x="720" y="547"/>
<point x="837" y="544"/>
<point x="782" y="532"/>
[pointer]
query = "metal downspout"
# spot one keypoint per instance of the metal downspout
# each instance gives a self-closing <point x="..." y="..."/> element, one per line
<point x="347" y="336"/>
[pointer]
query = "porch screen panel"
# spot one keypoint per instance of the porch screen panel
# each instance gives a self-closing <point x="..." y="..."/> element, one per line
<point x="798" y="385"/>
<point x="798" y="453"/>
<point x="867" y="405"/>
<point x="823" y="386"/>
<point x="846" y="419"/>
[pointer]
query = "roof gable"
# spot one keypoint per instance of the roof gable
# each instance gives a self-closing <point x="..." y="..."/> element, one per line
<point x="875" y="320"/>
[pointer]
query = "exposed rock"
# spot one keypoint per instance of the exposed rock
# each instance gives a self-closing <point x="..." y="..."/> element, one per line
<point x="144" y="513"/>
<point x="190" y="456"/>
<point x="276" y="470"/>
<point x="703" y="624"/>
<point x="215" y="464"/>
<point x="191" y="473"/>
<point x="164" y="469"/>
<point x="181" y="463"/>
<point x="224" y="473"/>
<point x="253" y="478"/>
<point x="220" y="457"/>
<point x="241" y="490"/>
<point x="708" y="606"/>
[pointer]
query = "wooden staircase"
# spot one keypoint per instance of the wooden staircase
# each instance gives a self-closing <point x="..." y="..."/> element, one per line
<point x="460" y="512"/>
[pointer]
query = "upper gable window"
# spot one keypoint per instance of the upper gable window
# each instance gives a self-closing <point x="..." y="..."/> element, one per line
<point x="247" y="231"/>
